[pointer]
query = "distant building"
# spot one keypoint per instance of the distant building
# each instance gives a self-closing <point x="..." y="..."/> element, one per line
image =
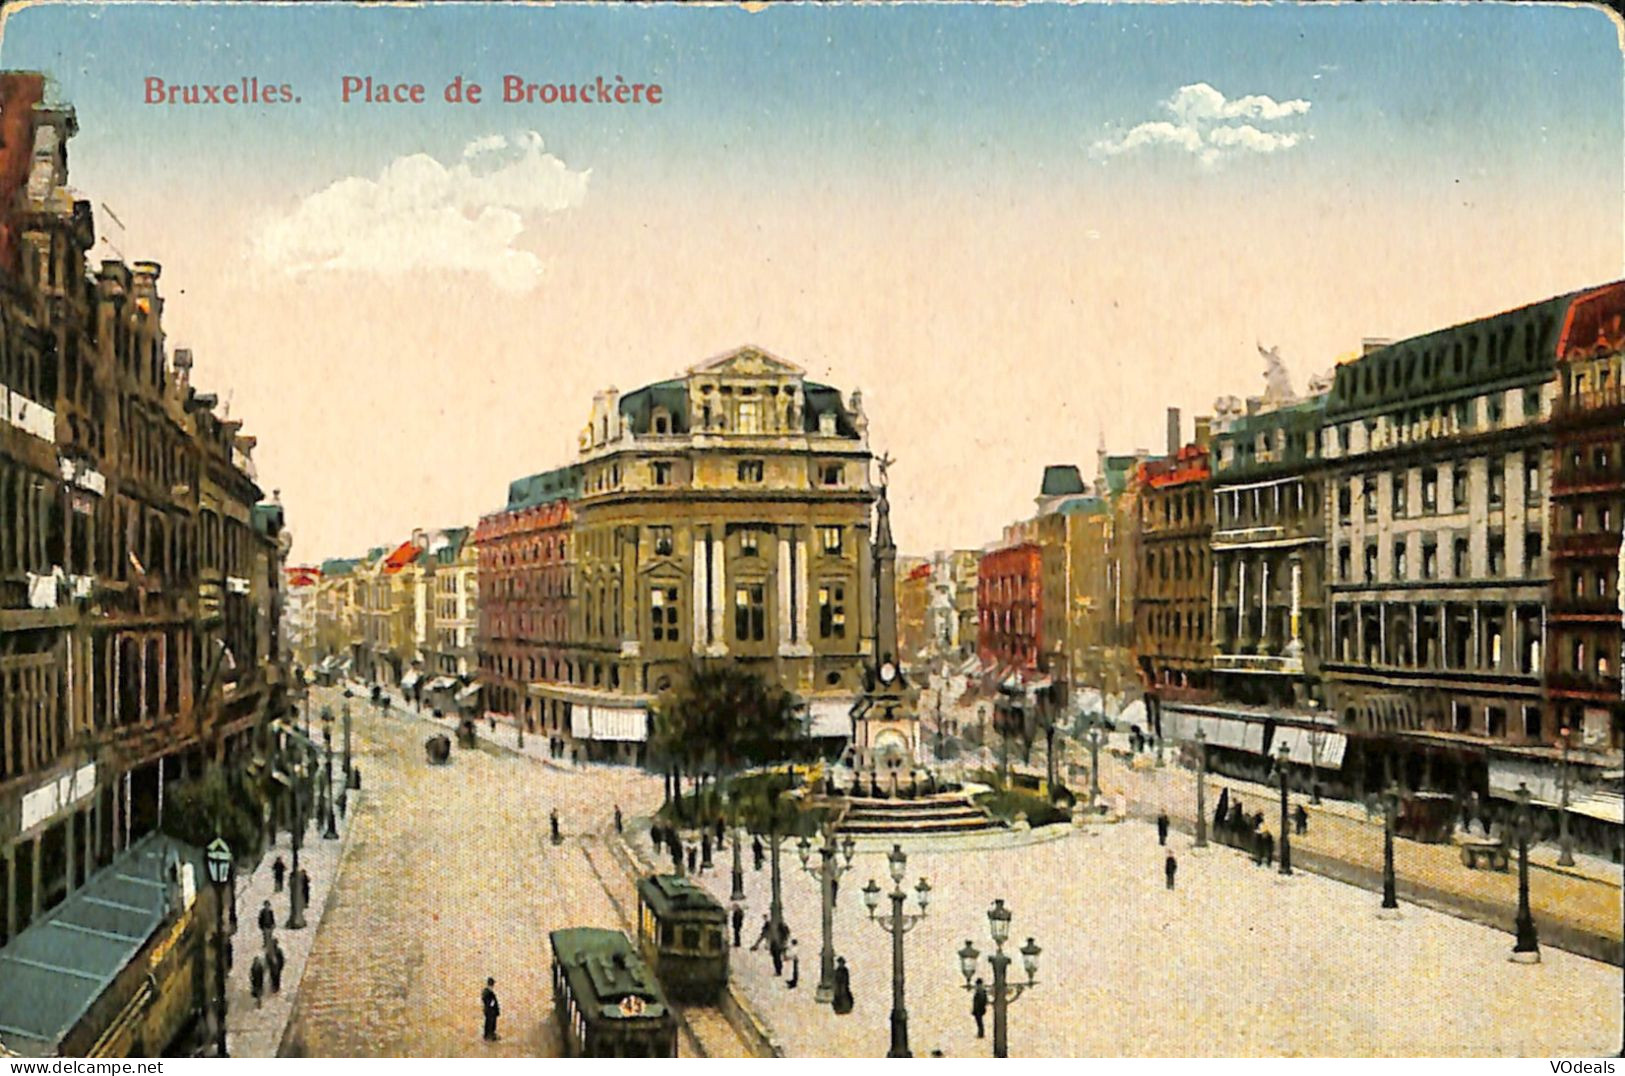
<point x="1173" y="601"/>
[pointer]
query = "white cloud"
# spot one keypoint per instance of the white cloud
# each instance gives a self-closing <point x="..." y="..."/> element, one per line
<point x="421" y="215"/>
<point x="1200" y="126"/>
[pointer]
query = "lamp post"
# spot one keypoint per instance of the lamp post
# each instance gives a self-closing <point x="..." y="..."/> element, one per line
<point x="296" y="894"/>
<point x="738" y="890"/>
<point x="217" y="857"/>
<point x="1201" y="788"/>
<point x="1390" y="807"/>
<point x="828" y="871"/>
<point x="331" y="833"/>
<point x="775" y="908"/>
<point x="1527" y="948"/>
<point x="1004" y="991"/>
<point x="1286" y="831"/>
<point x="1094" y="765"/>
<point x="348" y="767"/>
<point x="1565" y="854"/>
<point x="897" y="924"/>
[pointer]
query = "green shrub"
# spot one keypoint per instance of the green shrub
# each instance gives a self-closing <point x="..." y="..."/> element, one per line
<point x="1007" y="803"/>
<point x="214" y="806"/>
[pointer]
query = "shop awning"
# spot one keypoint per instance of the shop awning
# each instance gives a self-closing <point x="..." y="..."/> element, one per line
<point x="1043" y="683"/>
<point x="1606" y="806"/>
<point x="619" y="723"/>
<point x="1220" y="731"/>
<point x="829" y="718"/>
<point x="57" y="968"/>
<point x="1312" y="747"/>
<point x="442" y="683"/>
<point x="410" y="680"/>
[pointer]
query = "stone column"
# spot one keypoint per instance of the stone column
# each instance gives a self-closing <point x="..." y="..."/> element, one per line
<point x="786" y="617"/>
<point x="701" y="590"/>
<point x="1476" y="658"/>
<point x="719" y="596"/>
<point x="1213" y="625"/>
<point x="800" y="548"/>
<point x="1264" y="604"/>
<point x="71" y="843"/>
<point x="1382" y="633"/>
<point x="1241" y="602"/>
<point x="1294" y="646"/>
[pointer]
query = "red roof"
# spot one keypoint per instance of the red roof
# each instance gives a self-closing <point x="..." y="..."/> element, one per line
<point x="1595" y="323"/>
<point x="300" y="576"/>
<point x="921" y="572"/>
<point x="1189" y="465"/>
<point x="404" y="554"/>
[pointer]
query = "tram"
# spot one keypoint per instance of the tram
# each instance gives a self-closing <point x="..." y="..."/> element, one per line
<point x="682" y="933"/>
<point x="607" y="1002"/>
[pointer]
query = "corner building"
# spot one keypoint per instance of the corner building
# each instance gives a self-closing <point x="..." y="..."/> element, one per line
<point x="722" y="514"/>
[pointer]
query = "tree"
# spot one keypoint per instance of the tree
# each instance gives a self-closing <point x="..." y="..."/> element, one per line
<point x="214" y="806"/>
<point x="722" y="717"/>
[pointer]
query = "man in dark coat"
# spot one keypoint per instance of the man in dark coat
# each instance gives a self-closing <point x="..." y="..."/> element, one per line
<point x="267" y="921"/>
<point x="721" y="831"/>
<point x="756" y="851"/>
<point x="738" y="923"/>
<point x="843" y="987"/>
<point x="304" y="887"/>
<point x="491" y="1008"/>
<point x="1300" y="820"/>
<point x="693" y="858"/>
<point x="1170" y="867"/>
<point x="279" y="871"/>
<point x="274" y="962"/>
<point x="618" y="818"/>
<point x="1269" y="849"/>
<point x="765" y="935"/>
<point x="1222" y="812"/>
<point x="553" y="824"/>
<point x="705" y="850"/>
<point x="978" y="1007"/>
<point x="256" y="979"/>
<point x="676" y="851"/>
<point x="1162" y="827"/>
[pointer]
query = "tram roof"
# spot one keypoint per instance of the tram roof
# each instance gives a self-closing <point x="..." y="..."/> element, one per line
<point x="602" y="965"/>
<point x="673" y="895"/>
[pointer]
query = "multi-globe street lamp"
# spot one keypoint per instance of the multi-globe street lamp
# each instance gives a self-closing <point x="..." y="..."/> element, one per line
<point x="828" y="871"/>
<point x="897" y="924"/>
<point x="1390" y="809"/>
<point x="217" y="858"/>
<point x="1004" y="992"/>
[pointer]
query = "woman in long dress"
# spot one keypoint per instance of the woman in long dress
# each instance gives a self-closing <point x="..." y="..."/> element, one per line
<point x="843" y="987"/>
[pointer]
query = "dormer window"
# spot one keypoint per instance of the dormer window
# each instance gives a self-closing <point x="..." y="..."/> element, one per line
<point x="662" y="421"/>
<point x="826" y="425"/>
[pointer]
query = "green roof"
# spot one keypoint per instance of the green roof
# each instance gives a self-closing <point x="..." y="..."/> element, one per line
<point x="57" y="968"/>
<point x="1061" y="479"/>
<point x="1082" y="506"/>
<point x="669" y="893"/>
<point x="1519" y="346"/>
<point x="824" y="400"/>
<point x="1300" y="422"/>
<point x="602" y="966"/>
<point x="267" y="518"/>
<point x="638" y="407"/>
<point x="1118" y="471"/>
<point x="339" y="566"/>
<point x="561" y="483"/>
<point x="455" y="537"/>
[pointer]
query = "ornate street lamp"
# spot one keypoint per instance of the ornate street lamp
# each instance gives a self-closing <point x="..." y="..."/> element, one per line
<point x="1390" y="809"/>
<point x="331" y="833"/>
<point x="897" y="924"/>
<point x="1527" y="948"/>
<point x="296" y="891"/>
<point x="1565" y="855"/>
<point x="1004" y="992"/>
<point x="1201" y="788"/>
<point x="828" y="871"/>
<point x="1286" y="832"/>
<point x="217" y="858"/>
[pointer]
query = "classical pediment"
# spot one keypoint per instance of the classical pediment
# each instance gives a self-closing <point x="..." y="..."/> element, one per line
<point x="748" y="361"/>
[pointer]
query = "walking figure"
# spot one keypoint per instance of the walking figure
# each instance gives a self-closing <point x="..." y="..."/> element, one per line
<point x="705" y="850"/>
<point x="1269" y="849"/>
<point x="978" y="1007"/>
<point x="267" y="921"/>
<point x="765" y="935"/>
<point x="756" y="851"/>
<point x="676" y="851"/>
<point x="1162" y="827"/>
<point x="843" y="987"/>
<point x="776" y="949"/>
<point x="304" y="887"/>
<point x="1300" y="820"/>
<point x="795" y="967"/>
<point x="693" y="856"/>
<point x="256" y="980"/>
<point x="720" y="832"/>
<point x="274" y="962"/>
<point x="279" y="871"/>
<point x="491" y="1008"/>
<point x="738" y="923"/>
<point x="553" y="824"/>
<point x="617" y="818"/>
<point x="1170" y="867"/>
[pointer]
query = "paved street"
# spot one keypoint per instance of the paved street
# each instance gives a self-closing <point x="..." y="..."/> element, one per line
<point x="1234" y="961"/>
<point x="450" y="877"/>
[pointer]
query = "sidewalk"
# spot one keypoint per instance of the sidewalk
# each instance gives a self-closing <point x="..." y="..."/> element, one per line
<point x="1577" y="908"/>
<point x="506" y="735"/>
<point x="257" y="1031"/>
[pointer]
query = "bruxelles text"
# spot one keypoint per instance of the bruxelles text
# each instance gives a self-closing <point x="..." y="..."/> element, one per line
<point x="364" y="89"/>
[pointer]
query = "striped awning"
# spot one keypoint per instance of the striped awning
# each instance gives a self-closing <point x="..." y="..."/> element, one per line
<point x="1312" y="747"/>
<point x="829" y="718"/>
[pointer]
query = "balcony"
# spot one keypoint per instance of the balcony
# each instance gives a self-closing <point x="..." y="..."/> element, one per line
<point x="1587" y="407"/>
<point x="1272" y="664"/>
<point x="1571" y="684"/>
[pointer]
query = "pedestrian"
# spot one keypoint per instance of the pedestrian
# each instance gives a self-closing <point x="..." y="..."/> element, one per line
<point x="978" y="1007"/>
<point x="756" y="851"/>
<point x="274" y="962"/>
<point x="493" y="721"/>
<point x="1269" y="849"/>
<point x="491" y="1008"/>
<point x="842" y="1002"/>
<point x="705" y="850"/>
<point x="617" y="818"/>
<point x="1162" y="827"/>
<point x="834" y="890"/>
<point x="304" y="888"/>
<point x="279" y="871"/>
<point x="738" y="923"/>
<point x="553" y="824"/>
<point x="1170" y="867"/>
<point x="720" y="831"/>
<point x="676" y="851"/>
<point x="693" y="857"/>
<point x="795" y="967"/>
<point x="766" y="934"/>
<point x="1300" y="820"/>
<point x="267" y="921"/>
<point x="1258" y="848"/>
<point x="256" y="980"/>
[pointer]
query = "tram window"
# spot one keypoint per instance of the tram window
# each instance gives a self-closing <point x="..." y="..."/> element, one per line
<point x="691" y="937"/>
<point x="713" y="940"/>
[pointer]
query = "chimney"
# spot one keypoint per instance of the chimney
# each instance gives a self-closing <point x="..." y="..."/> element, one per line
<point x="1173" y="432"/>
<point x="183" y="367"/>
<point x="1204" y="431"/>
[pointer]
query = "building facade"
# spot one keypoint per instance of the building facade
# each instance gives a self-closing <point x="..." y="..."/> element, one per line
<point x="1173" y="596"/>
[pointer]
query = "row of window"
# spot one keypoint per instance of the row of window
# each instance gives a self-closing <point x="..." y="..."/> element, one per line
<point x="1401" y="504"/>
<point x="1428" y="559"/>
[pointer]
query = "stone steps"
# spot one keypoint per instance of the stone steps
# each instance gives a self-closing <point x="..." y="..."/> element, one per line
<point x="948" y="813"/>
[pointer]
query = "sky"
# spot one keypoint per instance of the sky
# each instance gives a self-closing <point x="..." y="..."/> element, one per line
<point x="1018" y="230"/>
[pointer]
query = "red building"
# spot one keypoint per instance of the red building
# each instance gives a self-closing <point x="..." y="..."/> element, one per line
<point x="1009" y="608"/>
<point x="1174" y="597"/>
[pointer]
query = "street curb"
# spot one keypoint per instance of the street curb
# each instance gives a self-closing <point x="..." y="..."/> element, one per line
<point x="1570" y="939"/>
<point x="745" y="1021"/>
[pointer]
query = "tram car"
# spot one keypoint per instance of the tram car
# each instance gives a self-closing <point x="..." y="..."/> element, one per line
<point x="683" y="934"/>
<point x="607" y="1002"/>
